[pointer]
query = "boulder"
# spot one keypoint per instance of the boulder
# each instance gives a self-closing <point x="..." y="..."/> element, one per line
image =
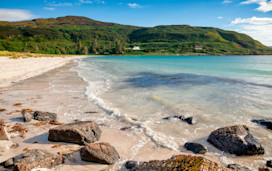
<point x="28" y="115"/>
<point x="131" y="164"/>
<point x="180" y="162"/>
<point x="100" y="153"/>
<point x="264" y="122"/>
<point x="269" y="163"/>
<point x="237" y="167"/>
<point x="81" y="133"/>
<point x="236" y="140"/>
<point x="196" y="147"/>
<point x="37" y="159"/>
<point x="3" y="135"/>
<point x="44" y="116"/>
<point x="264" y="169"/>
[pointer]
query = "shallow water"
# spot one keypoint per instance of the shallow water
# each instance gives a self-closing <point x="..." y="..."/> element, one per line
<point x="217" y="90"/>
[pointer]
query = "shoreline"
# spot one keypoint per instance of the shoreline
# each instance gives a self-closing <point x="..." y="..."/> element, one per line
<point x="52" y="92"/>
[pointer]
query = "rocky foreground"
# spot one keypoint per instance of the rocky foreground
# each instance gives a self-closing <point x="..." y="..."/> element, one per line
<point x="235" y="140"/>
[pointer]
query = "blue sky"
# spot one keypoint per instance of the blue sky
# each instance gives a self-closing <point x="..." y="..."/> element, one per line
<point x="253" y="17"/>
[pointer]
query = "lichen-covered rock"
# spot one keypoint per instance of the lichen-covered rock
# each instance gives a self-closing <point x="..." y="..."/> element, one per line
<point x="236" y="140"/>
<point x="181" y="162"/>
<point x="28" y="115"/>
<point x="264" y="122"/>
<point x="37" y="159"/>
<point x="237" y="167"/>
<point x="81" y="133"/>
<point x="100" y="153"/>
<point x="196" y="147"/>
<point x="3" y="135"/>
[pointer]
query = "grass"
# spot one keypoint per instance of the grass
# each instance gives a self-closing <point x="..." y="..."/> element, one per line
<point x="16" y="55"/>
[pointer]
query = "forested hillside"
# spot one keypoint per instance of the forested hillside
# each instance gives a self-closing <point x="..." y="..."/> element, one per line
<point x="80" y="35"/>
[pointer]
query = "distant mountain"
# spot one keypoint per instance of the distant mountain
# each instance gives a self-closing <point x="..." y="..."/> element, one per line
<point x="81" y="35"/>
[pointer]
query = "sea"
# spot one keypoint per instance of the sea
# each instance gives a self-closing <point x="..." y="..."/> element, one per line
<point x="217" y="91"/>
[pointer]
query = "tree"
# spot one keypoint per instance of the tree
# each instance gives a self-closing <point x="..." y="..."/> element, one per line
<point x="85" y="50"/>
<point x="118" y="47"/>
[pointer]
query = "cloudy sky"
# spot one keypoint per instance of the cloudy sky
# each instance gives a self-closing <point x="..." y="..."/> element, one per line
<point x="253" y="17"/>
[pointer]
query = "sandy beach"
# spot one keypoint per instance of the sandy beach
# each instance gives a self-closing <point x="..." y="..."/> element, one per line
<point x="61" y="91"/>
<point x="52" y="85"/>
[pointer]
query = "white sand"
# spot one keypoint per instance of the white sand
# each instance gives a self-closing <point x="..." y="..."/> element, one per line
<point x="14" y="70"/>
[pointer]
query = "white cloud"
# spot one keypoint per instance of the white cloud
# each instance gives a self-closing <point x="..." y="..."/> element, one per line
<point x="220" y="17"/>
<point x="85" y="2"/>
<point x="15" y="15"/>
<point x="265" y="5"/>
<point x="134" y="5"/>
<point x="54" y="4"/>
<point x="252" y="20"/>
<point x="226" y="2"/>
<point x="49" y="8"/>
<point x="258" y="28"/>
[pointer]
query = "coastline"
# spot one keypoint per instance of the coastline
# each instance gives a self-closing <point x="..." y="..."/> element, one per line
<point x="61" y="91"/>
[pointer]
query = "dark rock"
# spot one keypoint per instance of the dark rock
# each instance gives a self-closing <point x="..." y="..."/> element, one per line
<point x="28" y="115"/>
<point x="180" y="162"/>
<point x="83" y="132"/>
<point x="269" y="163"/>
<point x="37" y="159"/>
<point x="237" y="167"/>
<point x="3" y="135"/>
<point x="190" y="120"/>
<point x="196" y="147"/>
<point x="174" y="117"/>
<point x="236" y="140"/>
<point x="264" y="122"/>
<point x="44" y="116"/>
<point x="264" y="169"/>
<point x="125" y="128"/>
<point x="9" y="163"/>
<point x="100" y="153"/>
<point x="131" y="164"/>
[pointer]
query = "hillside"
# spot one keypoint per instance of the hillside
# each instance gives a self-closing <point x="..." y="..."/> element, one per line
<point x="80" y="35"/>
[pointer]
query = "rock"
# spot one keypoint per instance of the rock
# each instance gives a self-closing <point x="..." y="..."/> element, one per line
<point x="196" y="147"/>
<point x="131" y="164"/>
<point x="125" y="128"/>
<point x="174" y="117"/>
<point x="236" y="140"/>
<point x="44" y="116"/>
<point x="81" y="133"/>
<point x="28" y="115"/>
<point x="37" y="159"/>
<point x="264" y="122"/>
<point x="180" y="162"/>
<point x="8" y="163"/>
<point x="237" y="167"/>
<point x="100" y="153"/>
<point x="3" y="135"/>
<point x="54" y="122"/>
<point x="269" y="163"/>
<point x="264" y="169"/>
<point x="190" y="120"/>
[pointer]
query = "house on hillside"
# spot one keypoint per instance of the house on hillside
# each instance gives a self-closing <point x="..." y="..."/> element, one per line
<point x="198" y="47"/>
<point x="136" y="48"/>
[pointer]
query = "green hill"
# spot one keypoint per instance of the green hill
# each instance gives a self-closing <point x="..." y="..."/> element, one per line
<point x="80" y="35"/>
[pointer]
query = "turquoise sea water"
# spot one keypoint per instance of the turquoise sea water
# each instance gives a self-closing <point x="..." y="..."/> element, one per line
<point x="217" y="90"/>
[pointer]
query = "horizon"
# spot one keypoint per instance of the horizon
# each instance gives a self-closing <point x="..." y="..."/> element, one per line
<point x="251" y="17"/>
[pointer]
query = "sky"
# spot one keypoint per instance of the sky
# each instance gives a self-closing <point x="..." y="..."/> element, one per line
<point x="252" y="17"/>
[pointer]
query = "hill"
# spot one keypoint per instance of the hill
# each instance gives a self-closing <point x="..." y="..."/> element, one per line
<point x="81" y="35"/>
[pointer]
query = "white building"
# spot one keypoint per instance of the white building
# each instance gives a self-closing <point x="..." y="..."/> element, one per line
<point x="136" y="48"/>
<point x="198" y="47"/>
